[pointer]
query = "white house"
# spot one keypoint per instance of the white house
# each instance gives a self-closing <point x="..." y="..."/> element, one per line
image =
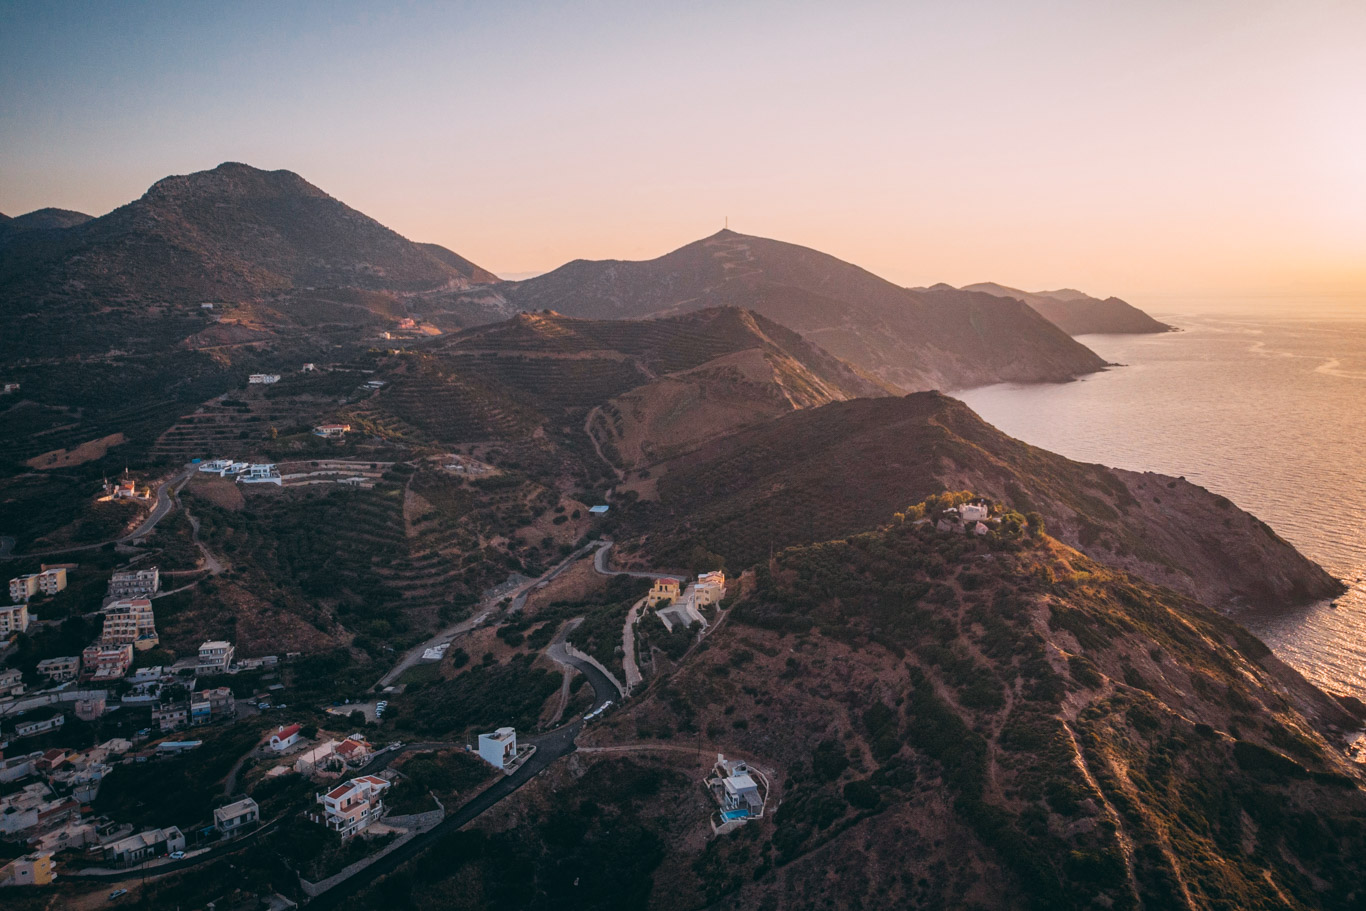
<point x="499" y="748"/>
<point x="11" y="682"/>
<point x="60" y="670"/>
<point x="262" y="473"/>
<point x="973" y="512"/>
<point x="317" y="759"/>
<point x="29" y="728"/>
<point x="152" y="843"/>
<point x="236" y="816"/>
<point x="285" y="737"/>
<point x="350" y="808"/>
<point x="735" y="790"/>
<point x="214" y="657"/>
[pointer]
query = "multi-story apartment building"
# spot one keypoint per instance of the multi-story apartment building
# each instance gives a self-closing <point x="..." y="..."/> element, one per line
<point x="49" y="582"/>
<point x="171" y="717"/>
<point x="60" y="670"/>
<point x="221" y="702"/>
<point x="13" y="619"/>
<point x="142" y="583"/>
<point x="21" y="588"/>
<point x="215" y="657"/>
<point x="351" y="808"/>
<point x="130" y="620"/>
<point x="104" y="662"/>
<point x="52" y="580"/>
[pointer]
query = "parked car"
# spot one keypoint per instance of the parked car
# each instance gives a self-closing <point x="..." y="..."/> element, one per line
<point x="177" y="855"/>
<point x="117" y="893"/>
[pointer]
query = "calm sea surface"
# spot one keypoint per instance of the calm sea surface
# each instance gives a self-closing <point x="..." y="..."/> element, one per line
<point x="1270" y="412"/>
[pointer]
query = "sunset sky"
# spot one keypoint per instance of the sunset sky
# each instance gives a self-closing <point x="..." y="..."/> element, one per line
<point x="1150" y="150"/>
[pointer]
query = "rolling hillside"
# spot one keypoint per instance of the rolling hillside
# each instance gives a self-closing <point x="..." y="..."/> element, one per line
<point x="916" y="340"/>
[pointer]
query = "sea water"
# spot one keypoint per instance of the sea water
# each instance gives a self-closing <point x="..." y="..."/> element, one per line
<point x="1268" y="410"/>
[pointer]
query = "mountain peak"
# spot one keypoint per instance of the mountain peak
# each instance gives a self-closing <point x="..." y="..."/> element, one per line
<point x="232" y="232"/>
<point x="235" y="180"/>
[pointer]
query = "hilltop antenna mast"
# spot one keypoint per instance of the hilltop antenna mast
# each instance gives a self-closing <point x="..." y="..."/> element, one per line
<point x="727" y="222"/>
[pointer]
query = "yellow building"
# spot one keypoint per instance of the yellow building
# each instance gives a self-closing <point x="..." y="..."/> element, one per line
<point x="710" y="588"/>
<point x="664" y="590"/>
<point x="13" y="619"/>
<point x="30" y="870"/>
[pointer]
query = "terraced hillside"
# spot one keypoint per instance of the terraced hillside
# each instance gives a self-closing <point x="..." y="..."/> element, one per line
<point x="376" y="567"/>
<point x="668" y="382"/>
<point x="429" y="400"/>
<point x="59" y="407"/>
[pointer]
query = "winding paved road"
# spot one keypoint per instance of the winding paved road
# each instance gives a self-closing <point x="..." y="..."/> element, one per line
<point x="164" y="504"/>
<point x="600" y="564"/>
<point x="550" y="746"/>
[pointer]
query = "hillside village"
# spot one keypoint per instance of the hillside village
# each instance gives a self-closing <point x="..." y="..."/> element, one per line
<point x="157" y="706"/>
<point x="195" y="704"/>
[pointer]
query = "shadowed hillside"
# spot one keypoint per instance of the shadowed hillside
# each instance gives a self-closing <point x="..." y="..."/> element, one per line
<point x="228" y="234"/>
<point x="40" y="220"/>
<point x="842" y="469"/>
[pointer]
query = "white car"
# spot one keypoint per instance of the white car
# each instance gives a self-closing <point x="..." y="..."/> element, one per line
<point x="177" y="855"/>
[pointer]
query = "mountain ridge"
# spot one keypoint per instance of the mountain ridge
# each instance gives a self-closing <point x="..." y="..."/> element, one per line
<point x="231" y="233"/>
<point x="1077" y="313"/>
<point x="941" y="338"/>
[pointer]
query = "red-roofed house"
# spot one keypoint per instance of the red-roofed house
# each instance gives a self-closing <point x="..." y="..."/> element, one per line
<point x="354" y="750"/>
<point x="350" y="808"/>
<point x="285" y="738"/>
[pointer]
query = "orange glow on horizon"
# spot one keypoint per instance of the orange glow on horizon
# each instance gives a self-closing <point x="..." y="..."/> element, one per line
<point x="1210" y="150"/>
